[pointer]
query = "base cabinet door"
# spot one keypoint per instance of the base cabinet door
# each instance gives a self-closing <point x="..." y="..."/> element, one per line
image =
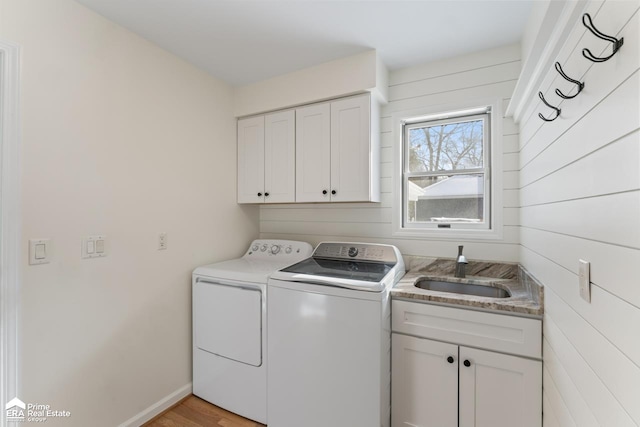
<point x="497" y="390"/>
<point x="424" y="386"/>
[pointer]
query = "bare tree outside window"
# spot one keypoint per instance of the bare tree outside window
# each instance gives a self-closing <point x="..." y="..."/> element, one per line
<point x="446" y="147"/>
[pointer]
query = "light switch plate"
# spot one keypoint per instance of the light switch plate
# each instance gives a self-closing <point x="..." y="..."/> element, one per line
<point x="94" y="247"/>
<point x="162" y="241"/>
<point x="39" y="251"/>
<point x="584" y="280"/>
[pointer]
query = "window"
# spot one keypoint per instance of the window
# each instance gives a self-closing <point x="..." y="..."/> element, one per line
<point x="446" y="173"/>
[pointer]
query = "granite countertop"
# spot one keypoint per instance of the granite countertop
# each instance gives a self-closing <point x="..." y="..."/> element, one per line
<point x="527" y="295"/>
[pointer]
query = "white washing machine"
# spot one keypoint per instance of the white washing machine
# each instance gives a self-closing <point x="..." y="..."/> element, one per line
<point x="229" y="326"/>
<point x="330" y="337"/>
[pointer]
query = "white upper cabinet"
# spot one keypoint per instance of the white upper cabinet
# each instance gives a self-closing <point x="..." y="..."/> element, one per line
<point x="266" y="158"/>
<point x="279" y="157"/>
<point x="326" y="152"/>
<point x="251" y="160"/>
<point x="337" y="151"/>
<point x="313" y="153"/>
<point x="351" y="150"/>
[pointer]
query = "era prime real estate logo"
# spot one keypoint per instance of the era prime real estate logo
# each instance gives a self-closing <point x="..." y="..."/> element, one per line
<point x="18" y="411"/>
<point x="15" y="409"/>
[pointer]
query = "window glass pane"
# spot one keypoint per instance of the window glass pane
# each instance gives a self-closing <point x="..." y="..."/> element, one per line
<point x="447" y="146"/>
<point x="446" y="199"/>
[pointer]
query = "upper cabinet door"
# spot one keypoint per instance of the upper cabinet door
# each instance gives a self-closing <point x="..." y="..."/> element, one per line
<point x="497" y="390"/>
<point x="313" y="138"/>
<point x="279" y="157"/>
<point x="351" y="154"/>
<point x="251" y="160"/>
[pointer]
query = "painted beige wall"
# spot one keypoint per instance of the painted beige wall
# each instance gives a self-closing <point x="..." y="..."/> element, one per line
<point x="123" y="139"/>
<point x="345" y="76"/>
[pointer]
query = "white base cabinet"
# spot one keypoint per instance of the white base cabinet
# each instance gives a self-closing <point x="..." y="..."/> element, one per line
<point x="445" y="384"/>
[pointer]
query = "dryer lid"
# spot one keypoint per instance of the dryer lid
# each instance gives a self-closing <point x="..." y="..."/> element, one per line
<point x="241" y="270"/>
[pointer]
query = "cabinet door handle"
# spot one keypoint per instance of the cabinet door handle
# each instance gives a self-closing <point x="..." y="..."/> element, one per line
<point x="324" y="192"/>
<point x="266" y="194"/>
<point x="333" y="192"/>
<point x="259" y="194"/>
<point x="450" y="359"/>
<point x="467" y="363"/>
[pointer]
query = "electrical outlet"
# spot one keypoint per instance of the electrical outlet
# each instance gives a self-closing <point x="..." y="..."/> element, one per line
<point x="584" y="280"/>
<point x="162" y="241"/>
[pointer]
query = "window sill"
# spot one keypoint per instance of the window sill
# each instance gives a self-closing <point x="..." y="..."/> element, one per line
<point x="448" y="234"/>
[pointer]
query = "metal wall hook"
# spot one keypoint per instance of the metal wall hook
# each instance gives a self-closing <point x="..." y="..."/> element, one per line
<point x="550" y="106"/>
<point x="579" y="83"/>
<point x="617" y="44"/>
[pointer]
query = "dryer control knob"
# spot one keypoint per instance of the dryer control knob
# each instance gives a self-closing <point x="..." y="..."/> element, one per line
<point x="254" y="248"/>
<point x="264" y="247"/>
<point x="275" y="249"/>
<point x="288" y="249"/>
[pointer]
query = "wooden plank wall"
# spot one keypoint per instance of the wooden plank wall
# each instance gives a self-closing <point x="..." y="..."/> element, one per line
<point x="480" y="75"/>
<point x="580" y="199"/>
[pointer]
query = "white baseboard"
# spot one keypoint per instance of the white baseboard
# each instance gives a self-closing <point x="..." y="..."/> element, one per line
<point x="158" y="407"/>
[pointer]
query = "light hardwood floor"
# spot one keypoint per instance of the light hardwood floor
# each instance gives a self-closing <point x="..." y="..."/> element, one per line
<point x="195" y="412"/>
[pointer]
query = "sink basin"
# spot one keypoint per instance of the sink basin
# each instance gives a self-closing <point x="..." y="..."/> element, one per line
<point x="462" y="288"/>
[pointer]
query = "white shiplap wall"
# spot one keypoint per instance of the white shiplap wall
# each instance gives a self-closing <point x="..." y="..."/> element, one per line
<point x="580" y="199"/>
<point x="480" y="75"/>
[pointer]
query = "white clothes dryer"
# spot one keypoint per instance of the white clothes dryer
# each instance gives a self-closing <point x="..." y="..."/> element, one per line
<point x="229" y="326"/>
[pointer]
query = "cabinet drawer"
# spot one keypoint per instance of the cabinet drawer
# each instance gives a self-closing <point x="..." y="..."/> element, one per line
<point x="503" y="333"/>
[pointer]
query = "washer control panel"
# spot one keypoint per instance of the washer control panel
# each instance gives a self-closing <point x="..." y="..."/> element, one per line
<point x="268" y="249"/>
<point x="356" y="251"/>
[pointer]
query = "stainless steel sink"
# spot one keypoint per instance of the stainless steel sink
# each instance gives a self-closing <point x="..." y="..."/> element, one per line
<point x="462" y="288"/>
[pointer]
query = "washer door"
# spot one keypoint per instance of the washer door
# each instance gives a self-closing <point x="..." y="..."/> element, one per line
<point x="227" y="320"/>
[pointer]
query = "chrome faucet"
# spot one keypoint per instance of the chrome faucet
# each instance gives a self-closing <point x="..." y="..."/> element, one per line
<point x="461" y="263"/>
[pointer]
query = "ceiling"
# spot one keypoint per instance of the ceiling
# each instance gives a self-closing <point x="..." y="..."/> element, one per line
<point x="242" y="41"/>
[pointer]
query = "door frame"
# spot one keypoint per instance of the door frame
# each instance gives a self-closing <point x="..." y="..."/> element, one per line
<point x="10" y="224"/>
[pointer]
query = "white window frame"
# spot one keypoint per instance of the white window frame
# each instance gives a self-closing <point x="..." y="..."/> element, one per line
<point x="491" y="229"/>
<point x="456" y="117"/>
